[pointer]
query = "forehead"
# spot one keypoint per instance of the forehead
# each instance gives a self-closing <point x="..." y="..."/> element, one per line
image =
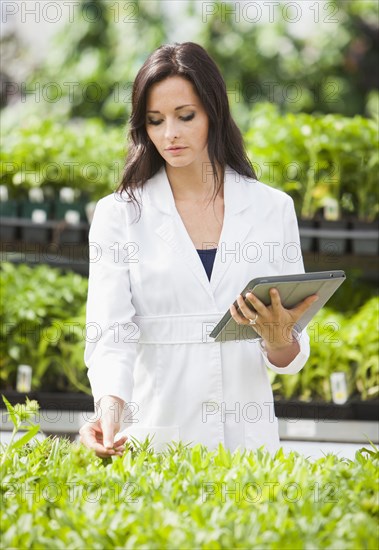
<point x="171" y="92"/>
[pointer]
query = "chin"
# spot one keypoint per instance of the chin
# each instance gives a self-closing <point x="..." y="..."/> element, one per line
<point x="178" y="163"/>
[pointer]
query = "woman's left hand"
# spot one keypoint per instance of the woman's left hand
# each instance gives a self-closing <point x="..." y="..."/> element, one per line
<point x="274" y="323"/>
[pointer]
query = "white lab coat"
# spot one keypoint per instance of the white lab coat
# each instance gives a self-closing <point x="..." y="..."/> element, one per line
<point x="151" y="307"/>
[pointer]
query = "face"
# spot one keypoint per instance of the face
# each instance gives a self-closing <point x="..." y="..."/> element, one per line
<point x="175" y="116"/>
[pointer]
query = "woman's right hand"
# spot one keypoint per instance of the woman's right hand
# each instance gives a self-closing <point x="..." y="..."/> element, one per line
<point x="98" y="433"/>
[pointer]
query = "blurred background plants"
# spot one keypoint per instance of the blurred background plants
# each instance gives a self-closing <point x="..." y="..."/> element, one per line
<point x="313" y="158"/>
<point x="86" y="155"/>
<point x="326" y="63"/>
<point x="42" y="317"/>
<point x="339" y="342"/>
<point x="64" y="116"/>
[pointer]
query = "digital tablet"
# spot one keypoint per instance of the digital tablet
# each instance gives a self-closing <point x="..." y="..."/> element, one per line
<point x="292" y="289"/>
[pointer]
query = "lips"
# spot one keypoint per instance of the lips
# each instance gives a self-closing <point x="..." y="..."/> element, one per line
<point x="174" y="148"/>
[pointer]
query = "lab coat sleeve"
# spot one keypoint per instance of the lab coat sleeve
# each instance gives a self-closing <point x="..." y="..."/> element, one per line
<point x="111" y="343"/>
<point x="292" y="263"/>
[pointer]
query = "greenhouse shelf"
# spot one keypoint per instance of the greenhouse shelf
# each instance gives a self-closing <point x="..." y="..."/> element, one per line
<point x="68" y="423"/>
<point x="369" y="265"/>
<point x="72" y="254"/>
<point x="305" y="231"/>
<point x="319" y="411"/>
<point x="354" y="422"/>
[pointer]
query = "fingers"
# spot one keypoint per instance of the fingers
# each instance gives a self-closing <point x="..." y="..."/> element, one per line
<point x="108" y="436"/>
<point x="99" y="433"/>
<point x="259" y="306"/>
<point x="273" y="321"/>
<point x="121" y="441"/>
<point x="301" y="308"/>
<point x="119" y="444"/>
<point x="275" y="299"/>
<point x="109" y="428"/>
<point x="235" y="314"/>
<point x="246" y="312"/>
<point x="92" y="436"/>
<point x="99" y="449"/>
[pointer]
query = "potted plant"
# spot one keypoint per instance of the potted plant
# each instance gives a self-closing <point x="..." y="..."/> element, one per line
<point x="70" y="210"/>
<point x="320" y="195"/>
<point x="43" y="326"/>
<point x="357" y="160"/>
<point x="366" y="221"/>
<point x="38" y="211"/>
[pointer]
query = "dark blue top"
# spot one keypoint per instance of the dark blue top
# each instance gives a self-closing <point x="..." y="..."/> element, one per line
<point x="208" y="258"/>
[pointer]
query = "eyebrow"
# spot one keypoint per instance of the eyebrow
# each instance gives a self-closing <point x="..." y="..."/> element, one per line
<point x="176" y="108"/>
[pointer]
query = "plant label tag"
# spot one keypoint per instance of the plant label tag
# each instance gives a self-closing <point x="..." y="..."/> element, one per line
<point x="67" y="194"/>
<point x="72" y="217"/>
<point x="39" y="215"/>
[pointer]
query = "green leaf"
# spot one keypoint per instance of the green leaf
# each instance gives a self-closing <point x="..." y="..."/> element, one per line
<point x="32" y="431"/>
<point x="11" y="411"/>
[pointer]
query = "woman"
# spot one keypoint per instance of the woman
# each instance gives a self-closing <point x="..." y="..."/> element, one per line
<point x="160" y="280"/>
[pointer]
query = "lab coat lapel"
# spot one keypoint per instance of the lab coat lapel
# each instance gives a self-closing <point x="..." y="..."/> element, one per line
<point x="171" y="228"/>
<point x="173" y="231"/>
<point x="238" y="221"/>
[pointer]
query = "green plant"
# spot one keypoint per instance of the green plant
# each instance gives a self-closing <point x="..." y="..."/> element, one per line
<point x="57" y="494"/>
<point x="361" y="337"/>
<point x="87" y="156"/>
<point x="43" y="318"/>
<point x="20" y="416"/>
<point x="93" y="62"/>
<point x="321" y="68"/>
<point x="346" y="343"/>
<point x="315" y="158"/>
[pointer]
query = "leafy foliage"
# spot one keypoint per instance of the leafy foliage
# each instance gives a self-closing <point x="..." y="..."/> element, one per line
<point x="327" y="62"/>
<point x="20" y="416"/>
<point x="50" y="154"/>
<point x="57" y="494"/>
<point x="326" y="65"/>
<point x="315" y="158"/>
<point x="43" y="325"/>
<point x="312" y="158"/>
<point x="99" y="55"/>
<point x="347" y="344"/>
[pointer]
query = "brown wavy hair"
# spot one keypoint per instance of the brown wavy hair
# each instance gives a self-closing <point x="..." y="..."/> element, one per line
<point x="225" y="143"/>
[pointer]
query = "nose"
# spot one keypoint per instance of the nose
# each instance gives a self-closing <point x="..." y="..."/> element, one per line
<point x="171" y="130"/>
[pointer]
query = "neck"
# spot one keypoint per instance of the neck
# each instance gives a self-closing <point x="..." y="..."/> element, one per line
<point x="194" y="182"/>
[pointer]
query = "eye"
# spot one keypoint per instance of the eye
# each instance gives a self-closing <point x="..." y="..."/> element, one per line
<point x="189" y="117"/>
<point x="153" y="122"/>
<point x="184" y="118"/>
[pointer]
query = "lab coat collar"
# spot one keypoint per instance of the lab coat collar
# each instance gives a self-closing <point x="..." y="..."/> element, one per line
<point x="160" y="193"/>
<point x="239" y="216"/>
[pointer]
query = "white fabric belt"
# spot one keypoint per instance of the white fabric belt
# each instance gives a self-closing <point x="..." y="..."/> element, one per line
<point x="177" y="329"/>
